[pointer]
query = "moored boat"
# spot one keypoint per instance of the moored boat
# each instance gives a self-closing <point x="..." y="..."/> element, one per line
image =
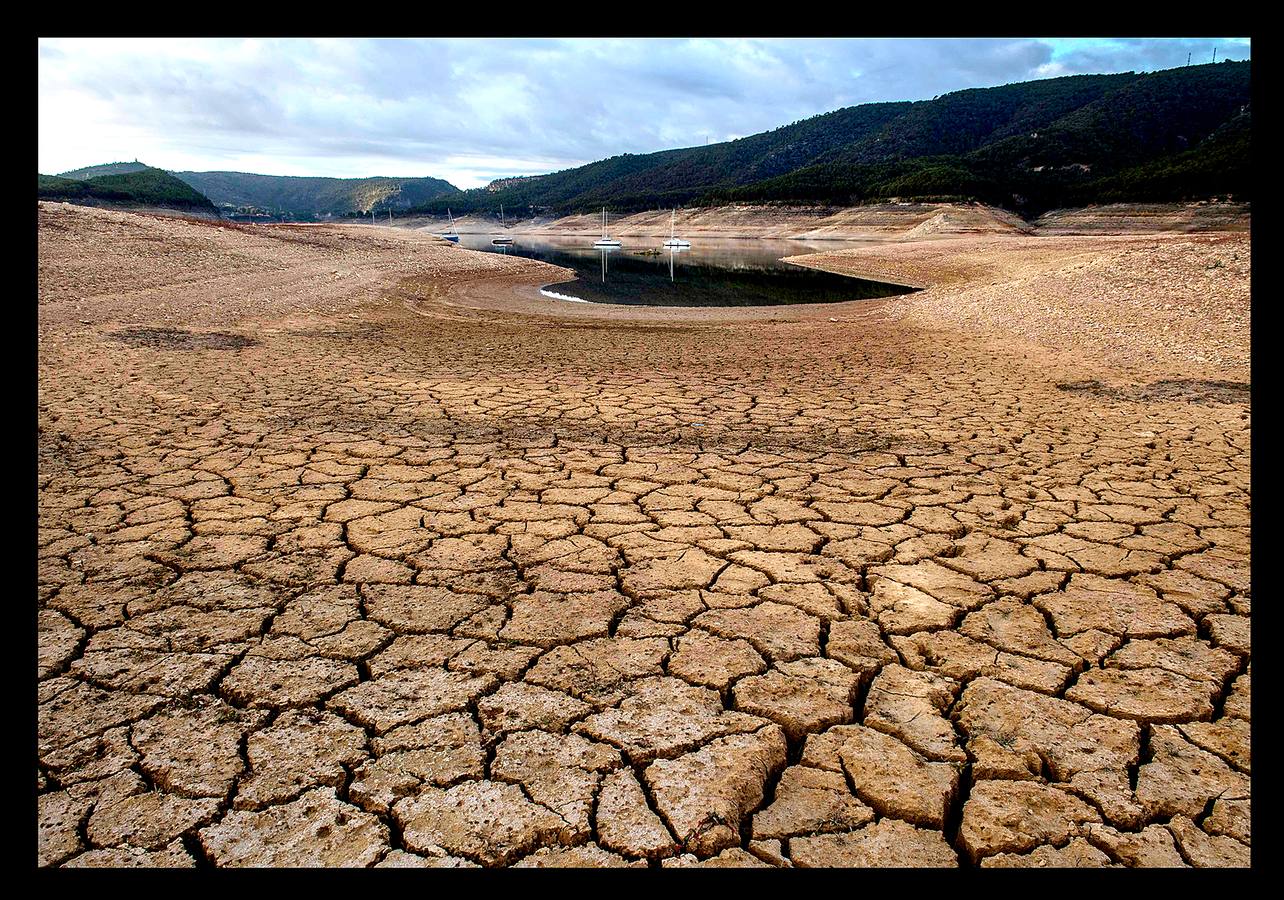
<point x="606" y="240"/>
<point x="452" y="235"/>
<point x="674" y="240"/>
<point x="502" y="239"/>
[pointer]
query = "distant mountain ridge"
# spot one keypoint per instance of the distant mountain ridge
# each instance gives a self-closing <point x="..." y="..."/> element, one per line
<point x="1173" y="135"/>
<point x="303" y="197"/>
<point x="1027" y="147"/>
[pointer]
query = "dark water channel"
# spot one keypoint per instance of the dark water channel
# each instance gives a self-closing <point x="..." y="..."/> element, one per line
<point x="714" y="272"/>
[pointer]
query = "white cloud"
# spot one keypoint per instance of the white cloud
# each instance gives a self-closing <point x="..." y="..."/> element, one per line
<point x="470" y="110"/>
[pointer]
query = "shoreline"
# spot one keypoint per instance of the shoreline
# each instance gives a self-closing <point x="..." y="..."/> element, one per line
<point x="902" y="221"/>
<point x="964" y="274"/>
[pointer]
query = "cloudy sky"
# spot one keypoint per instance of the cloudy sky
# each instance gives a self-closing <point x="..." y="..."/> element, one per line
<point x="469" y="110"/>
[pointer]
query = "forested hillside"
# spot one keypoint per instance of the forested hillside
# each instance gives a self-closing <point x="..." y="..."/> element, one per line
<point x="1171" y="135"/>
<point x="308" y="198"/>
<point x="138" y="187"/>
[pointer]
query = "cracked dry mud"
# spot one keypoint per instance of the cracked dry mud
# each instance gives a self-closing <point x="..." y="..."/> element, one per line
<point x="355" y="551"/>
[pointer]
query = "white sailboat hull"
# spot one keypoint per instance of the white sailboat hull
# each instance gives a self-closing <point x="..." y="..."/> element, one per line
<point x="605" y="241"/>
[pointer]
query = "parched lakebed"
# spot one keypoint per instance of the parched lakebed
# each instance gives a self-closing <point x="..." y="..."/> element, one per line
<point x="354" y="550"/>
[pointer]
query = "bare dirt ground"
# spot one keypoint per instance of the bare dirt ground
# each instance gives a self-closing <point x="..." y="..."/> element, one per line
<point x="875" y="222"/>
<point x="1132" y="218"/>
<point x="891" y="221"/>
<point x="355" y="550"/>
<point x="1169" y="298"/>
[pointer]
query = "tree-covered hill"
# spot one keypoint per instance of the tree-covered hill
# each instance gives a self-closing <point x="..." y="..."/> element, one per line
<point x="310" y="198"/>
<point x="1029" y="147"/>
<point x="962" y="121"/>
<point x="1173" y="135"/>
<point x="141" y="187"/>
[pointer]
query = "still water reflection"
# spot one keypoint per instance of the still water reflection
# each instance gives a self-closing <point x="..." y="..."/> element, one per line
<point x="714" y="272"/>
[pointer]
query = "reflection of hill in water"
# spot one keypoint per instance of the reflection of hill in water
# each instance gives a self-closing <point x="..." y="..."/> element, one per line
<point x="637" y="280"/>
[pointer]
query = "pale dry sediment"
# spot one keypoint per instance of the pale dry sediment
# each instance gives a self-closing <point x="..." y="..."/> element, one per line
<point x="412" y="566"/>
<point x="1167" y="299"/>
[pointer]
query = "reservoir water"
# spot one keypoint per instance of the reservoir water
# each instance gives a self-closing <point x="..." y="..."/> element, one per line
<point x="714" y="272"/>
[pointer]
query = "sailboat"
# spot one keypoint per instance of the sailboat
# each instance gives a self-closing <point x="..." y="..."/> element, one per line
<point x="452" y="235"/>
<point x="605" y="241"/>
<point x="504" y="239"/>
<point x="673" y="240"/>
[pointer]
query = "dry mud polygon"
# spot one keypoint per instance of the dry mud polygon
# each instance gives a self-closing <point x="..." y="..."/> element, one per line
<point x="442" y="585"/>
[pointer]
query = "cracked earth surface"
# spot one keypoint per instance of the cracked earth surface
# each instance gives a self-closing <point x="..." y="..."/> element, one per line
<point x="354" y="551"/>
